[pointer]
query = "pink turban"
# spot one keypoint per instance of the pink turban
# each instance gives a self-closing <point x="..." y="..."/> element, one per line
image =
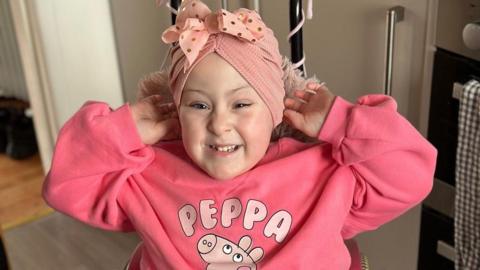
<point x="241" y="38"/>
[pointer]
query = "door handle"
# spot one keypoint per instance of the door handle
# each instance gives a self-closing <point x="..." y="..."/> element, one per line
<point x="446" y="250"/>
<point x="394" y="15"/>
<point x="457" y="90"/>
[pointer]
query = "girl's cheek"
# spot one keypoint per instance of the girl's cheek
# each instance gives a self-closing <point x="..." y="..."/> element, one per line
<point x="248" y="122"/>
<point x="189" y="115"/>
<point x="254" y="126"/>
<point x="191" y="121"/>
<point x="252" y="121"/>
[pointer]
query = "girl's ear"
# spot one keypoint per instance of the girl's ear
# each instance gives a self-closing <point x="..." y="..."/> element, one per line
<point x="155" y="83"/>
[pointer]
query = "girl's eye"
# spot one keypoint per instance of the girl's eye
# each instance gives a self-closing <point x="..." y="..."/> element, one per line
<point x="242" y="105"/>
<point x="200" y="106"/>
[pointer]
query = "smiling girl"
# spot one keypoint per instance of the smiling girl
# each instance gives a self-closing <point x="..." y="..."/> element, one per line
<point x="202" y="182"/>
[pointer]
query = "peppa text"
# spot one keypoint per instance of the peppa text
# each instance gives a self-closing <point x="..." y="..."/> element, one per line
<point x="278" y="224"/>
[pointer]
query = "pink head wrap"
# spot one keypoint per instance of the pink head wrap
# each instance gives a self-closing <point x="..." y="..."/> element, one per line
<point x="241" y="38"/>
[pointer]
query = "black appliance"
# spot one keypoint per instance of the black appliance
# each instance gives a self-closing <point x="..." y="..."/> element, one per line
<point x="454" y="65"/>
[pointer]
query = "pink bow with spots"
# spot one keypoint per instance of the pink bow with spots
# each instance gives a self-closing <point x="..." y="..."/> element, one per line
<point x="195" y="23"/>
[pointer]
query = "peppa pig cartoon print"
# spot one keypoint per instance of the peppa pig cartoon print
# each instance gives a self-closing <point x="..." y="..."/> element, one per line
<point x="223" y="254"/>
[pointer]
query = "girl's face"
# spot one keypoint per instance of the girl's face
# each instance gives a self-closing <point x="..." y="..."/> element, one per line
<point x="226" y="126"/>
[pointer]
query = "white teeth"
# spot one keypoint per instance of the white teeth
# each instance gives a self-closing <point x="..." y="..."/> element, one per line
<point x="229" y="148"/>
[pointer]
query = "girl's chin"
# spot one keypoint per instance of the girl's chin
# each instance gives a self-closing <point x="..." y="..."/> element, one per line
<point x="227" y="174"/>
<point x="223" y="176"/>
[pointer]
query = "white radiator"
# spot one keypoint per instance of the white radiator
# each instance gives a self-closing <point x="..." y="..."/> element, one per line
<point x="12" y="80"/>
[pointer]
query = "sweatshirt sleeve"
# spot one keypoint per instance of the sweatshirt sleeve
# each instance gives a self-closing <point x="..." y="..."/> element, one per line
<point x="392" y="163"/>
<point x="96" y="152"/>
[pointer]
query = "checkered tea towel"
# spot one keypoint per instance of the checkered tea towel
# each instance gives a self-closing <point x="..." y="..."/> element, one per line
<point x="467" y="177"/>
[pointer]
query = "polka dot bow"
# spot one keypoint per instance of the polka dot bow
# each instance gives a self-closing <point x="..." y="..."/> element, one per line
<point x="195" y="23"/>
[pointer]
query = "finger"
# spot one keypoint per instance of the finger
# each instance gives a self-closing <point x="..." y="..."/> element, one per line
<point x="156" y="97"/>
<point x="171" y="115"/>
<point x="173" y="107"/>
<point x="293" y="104"/>
<point x="159" y="112"/>
<point x="296" y="119"/>
<point x="162" y="110"/>
<point x="166" y="109"/>
<point x="171" y="112"/>
<point x="310" y="91"/>
<point x="169" y="128"/>
<point x="165" y="106"/>
<point x="304" y="94"/>
<point x="153" y="99"/>
<point x="316" y="86"/>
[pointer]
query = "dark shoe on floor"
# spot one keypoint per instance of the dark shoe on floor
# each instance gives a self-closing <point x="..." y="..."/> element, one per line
<point x="3" y="256"/>
<point x="21" y="139"/>
<point x="4" y="121"/>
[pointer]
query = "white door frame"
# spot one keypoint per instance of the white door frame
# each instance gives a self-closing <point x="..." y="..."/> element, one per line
<point x="36" y="77"/>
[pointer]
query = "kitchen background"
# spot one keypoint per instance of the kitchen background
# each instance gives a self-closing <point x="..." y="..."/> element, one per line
<point x="68" y="52"/>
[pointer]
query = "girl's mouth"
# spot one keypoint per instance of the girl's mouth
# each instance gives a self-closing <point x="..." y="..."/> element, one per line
<point x="225" y="149"/>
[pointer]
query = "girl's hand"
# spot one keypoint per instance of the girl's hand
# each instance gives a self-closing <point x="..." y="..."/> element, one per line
<point x="155" y="121"/>
<point x="308" y="112"/>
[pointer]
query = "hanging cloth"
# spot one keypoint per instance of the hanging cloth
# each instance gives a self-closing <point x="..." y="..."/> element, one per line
<point x="467" y="177"/>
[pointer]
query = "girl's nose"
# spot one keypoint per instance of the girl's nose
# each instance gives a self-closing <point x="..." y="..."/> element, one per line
<point x="219" y="123"/>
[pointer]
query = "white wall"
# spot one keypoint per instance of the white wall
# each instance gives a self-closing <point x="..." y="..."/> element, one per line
<point x="80" y="54"/>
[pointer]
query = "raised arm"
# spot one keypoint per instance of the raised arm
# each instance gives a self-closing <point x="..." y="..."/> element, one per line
<point x="96" y="153"/>
<point x="392" y="164"/>
<point x="390" y="161"/>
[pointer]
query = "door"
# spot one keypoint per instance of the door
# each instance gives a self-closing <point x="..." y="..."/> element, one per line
<point x="69" y="56"/>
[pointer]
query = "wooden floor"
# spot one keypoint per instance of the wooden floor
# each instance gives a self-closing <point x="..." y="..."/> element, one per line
<point x="20" y="191"/>
<point x="59" y="242"/>
<point x="37" y="237"/>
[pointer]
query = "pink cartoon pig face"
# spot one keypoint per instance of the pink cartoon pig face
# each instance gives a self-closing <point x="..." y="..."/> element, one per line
<point x="222" y="254"/>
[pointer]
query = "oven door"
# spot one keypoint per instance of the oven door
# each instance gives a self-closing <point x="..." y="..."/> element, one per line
<point x="449" y="70"/>
<point x="436" y="241"/>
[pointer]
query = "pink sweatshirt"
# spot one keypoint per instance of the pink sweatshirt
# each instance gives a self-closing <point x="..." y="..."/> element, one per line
<point x="293" y="210"/>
